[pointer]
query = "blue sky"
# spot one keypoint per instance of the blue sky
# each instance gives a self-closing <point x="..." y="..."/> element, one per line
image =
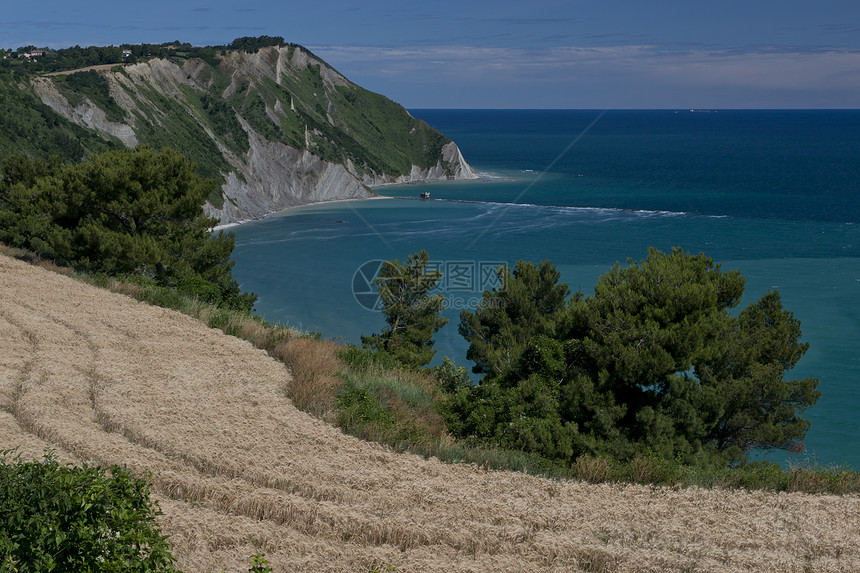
<point x="594" y="54"/>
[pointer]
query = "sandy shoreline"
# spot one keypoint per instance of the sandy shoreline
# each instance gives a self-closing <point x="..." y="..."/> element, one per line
<point x="482" y="176"/>
<point x="242" y="222"/>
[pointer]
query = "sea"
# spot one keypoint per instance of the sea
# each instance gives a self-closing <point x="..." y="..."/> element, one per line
<point x="774" y="194"/>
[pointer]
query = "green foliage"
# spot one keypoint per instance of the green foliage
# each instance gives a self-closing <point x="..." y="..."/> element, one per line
<point x="136" y="212"/>
<point x="259" y="564"/>
<point x="254" y="110"/>
<point x="222" y="119"/>
<point x="253" y="44"/>
<point x="29" y="126"/>
<point x="527" y="305"/>
<point x="364" y="360"/>
<point x="748" y="375"/>
<point x="450" y="377"/>
<point x="165" y="122"/>
<point x="77" y="57"/>
<point x="653" y="361"/>
<point x="521" y="409"/>
<point x="382" y="399"/>
<point x="69" y="58"/>
<point x="412" y="313"/>
<point x="63" y="518"/>
<point x="393" y="407"/>
<point x="347" y="122"/>
<point x="379" y="134"/>
<point x="361" y="411"/>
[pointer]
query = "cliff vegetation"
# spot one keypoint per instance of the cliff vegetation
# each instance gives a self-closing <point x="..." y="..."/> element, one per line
<point x="276" y="125"/>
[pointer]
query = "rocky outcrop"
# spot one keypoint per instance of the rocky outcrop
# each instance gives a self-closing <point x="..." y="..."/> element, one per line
<point x="451" y="165"/>
<point x="273" y="173"/>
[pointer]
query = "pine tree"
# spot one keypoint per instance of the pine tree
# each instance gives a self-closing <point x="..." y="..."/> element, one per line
<point x="527" y="304"/>
<point x="653" y="361"/>
<point x="123" y="213"/>
<point x="411" y="312"/>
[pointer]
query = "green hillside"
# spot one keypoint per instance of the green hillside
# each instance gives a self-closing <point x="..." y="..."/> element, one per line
<point x="29" y="126"/>
<point x="208" y="103"/>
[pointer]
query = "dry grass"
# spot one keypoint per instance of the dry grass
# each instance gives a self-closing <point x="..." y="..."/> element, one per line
<point x="593" y="470"/>
<point x="314" y="365"/>
<point x="239" y="470"/>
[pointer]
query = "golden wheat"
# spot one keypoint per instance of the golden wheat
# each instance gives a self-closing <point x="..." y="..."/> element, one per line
<point x="239" y="470"/>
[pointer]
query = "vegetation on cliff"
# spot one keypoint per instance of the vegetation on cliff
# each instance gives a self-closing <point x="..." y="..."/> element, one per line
<point x="29" y="126"/>
<point x="209" y="103"/>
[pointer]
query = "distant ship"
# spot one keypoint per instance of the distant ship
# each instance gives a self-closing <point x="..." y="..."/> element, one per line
<point x="425" y="195"/>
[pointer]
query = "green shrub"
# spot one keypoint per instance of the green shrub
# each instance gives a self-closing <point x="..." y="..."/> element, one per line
<point x="163" y="297"/>
<point x="259" y="564"/>
<point x="757" y="475"/>
<point x="64" y="518"/>
<point x="220" y="319"/>
<point x="451" y="377"/>
<point x="364" y="360"/>
<point x="362" y="413"/>
<point x="199" y="288"/>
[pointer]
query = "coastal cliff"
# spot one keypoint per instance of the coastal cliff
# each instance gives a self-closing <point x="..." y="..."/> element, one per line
<point x="278" y="127"/>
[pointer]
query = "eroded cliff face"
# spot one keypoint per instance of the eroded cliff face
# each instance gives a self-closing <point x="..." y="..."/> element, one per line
<point x="86" y="113"/>
<point x="276" y="176"/>
<point x="286" y="86"/>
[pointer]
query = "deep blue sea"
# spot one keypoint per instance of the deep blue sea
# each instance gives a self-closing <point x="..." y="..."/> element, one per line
<point x="775" y="194"/>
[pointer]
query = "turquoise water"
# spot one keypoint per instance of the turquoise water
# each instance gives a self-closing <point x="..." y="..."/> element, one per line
<point x="773" y="194"/>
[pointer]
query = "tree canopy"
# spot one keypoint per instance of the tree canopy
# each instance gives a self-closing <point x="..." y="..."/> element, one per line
<point x="653" y="361"/>
<point x="411" y="312"/>
<point x="125" y="212"/>
<point x="527" y="305"/>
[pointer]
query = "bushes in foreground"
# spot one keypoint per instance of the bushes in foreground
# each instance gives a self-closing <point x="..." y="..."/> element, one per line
<point x="64" y="518"/>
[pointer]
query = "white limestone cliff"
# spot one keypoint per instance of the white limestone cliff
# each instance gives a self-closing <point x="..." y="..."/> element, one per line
<point x="270" y="176"/>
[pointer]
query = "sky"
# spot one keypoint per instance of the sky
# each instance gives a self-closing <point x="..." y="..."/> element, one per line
<point x="571" y="54"/>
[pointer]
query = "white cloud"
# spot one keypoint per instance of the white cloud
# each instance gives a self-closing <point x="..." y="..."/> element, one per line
<point x="767" y="68"/>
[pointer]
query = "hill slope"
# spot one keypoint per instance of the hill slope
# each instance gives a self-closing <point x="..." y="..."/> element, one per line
<point x="278" y="125"/>
<point x="239" y="470"/>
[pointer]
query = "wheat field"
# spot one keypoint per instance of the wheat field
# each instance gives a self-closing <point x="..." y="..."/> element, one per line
<point x="238" y="470"/>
